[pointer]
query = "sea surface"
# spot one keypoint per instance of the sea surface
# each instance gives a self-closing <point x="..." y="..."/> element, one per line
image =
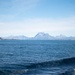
<point x="41" y="57"/>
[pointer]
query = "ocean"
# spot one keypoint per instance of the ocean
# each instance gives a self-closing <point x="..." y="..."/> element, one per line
<point x="37" y="57"/>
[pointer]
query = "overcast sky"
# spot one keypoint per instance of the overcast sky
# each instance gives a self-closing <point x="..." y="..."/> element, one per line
<point x="28" y="17"/>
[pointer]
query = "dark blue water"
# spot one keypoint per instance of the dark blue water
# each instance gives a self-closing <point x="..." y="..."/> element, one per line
<point x="21" y="57"/>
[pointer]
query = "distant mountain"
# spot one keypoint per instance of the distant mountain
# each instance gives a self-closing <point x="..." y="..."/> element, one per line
<point x="61" y="37"/>
<point x="40" y="36"/>
<point x="16" y="37"/>
<point x="0" y="38"/>
<point x="43" y="36"/>
<point x="71" y="38"/>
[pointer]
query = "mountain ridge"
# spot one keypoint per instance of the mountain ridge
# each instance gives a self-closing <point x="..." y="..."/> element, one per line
<point x="40" y="36"/>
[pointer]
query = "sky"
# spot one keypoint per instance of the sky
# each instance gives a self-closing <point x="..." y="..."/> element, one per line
<point x="28" y="17"/>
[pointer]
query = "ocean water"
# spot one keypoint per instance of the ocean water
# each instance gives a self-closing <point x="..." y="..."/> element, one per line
<point x="23" y="57"/>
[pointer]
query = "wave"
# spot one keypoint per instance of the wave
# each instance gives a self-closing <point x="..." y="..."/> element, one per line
<point x="5" y="72"/>
<point x="54" y="63"/>
<point x="32" y="67"/>
<point x="68" y="72"/>
<point x="13" y="72"/>
<point x="33" y="72"/>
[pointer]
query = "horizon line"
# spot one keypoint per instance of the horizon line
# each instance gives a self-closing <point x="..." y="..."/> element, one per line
<point x="38" y="33"/>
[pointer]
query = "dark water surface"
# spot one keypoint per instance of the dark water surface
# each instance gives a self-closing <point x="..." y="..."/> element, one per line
<point x="21" y="57"/>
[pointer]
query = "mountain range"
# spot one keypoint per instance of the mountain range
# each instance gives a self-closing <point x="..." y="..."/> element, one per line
<point x="40" y="36"/>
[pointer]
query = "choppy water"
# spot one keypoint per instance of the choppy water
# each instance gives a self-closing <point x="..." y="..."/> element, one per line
<point x="21" y="57"/>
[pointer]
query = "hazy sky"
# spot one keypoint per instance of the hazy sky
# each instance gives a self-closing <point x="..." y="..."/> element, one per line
<point x="28" y="17"/>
